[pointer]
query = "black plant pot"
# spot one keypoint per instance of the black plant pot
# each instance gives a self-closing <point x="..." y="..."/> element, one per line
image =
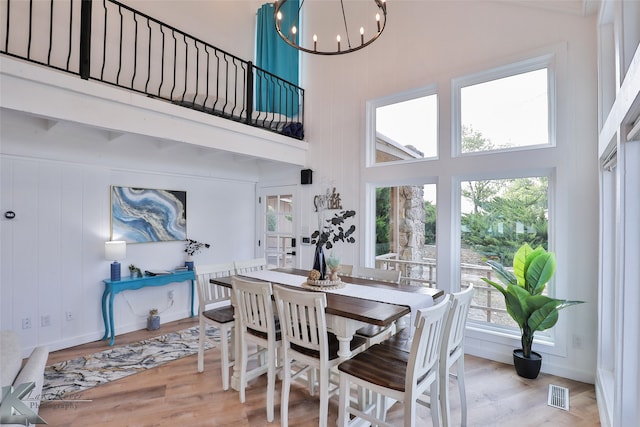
<point x="527" y="367"/>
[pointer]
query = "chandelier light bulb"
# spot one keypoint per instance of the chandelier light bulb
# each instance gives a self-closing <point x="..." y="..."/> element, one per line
<point x="290" y="36"/>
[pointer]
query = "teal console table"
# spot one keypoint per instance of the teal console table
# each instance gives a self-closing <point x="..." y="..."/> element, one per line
<point x="129" y="284"/>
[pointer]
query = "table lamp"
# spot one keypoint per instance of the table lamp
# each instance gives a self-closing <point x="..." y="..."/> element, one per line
<point x="113" y="251"/>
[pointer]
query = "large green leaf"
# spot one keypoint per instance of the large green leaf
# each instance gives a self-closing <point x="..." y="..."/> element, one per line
<point x="545" y="315"/>
<point x="499" y="287"/>
<point x="539" y="272"/>
<point x="516" y="302"/>
<point x="503" y="274"/>
<point x="519" y="260"/>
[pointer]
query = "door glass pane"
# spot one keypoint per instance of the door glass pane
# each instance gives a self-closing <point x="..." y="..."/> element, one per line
<point x="406" y="232"/>
<point x="279" y="248"/>
<point x="497" y="217"/>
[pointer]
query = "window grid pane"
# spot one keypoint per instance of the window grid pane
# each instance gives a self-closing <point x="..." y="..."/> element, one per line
<point x="497" y="217"/>
<point x="510" y="112"/>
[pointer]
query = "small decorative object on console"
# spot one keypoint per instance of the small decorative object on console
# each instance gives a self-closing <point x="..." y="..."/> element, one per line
<point x="134" y="272"/>
<point x="153" y="321"/>
<point x="192" y="248"/>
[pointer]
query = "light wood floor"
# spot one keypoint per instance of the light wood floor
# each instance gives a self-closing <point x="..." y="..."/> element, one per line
<point x="175" y="394"/>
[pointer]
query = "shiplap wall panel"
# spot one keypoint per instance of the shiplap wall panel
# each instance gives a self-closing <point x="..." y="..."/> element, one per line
<point x="53" y="252"/>
<point x="6" y="238"/>
<point x="71" y="224"/>
<point x="25" y="251"/>
<point x="48" y="284"/>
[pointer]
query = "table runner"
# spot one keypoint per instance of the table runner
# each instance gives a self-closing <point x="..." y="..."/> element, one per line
<point x="413" y="300"/>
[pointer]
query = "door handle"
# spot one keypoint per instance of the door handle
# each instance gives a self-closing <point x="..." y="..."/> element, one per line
<point x="291" y="253"/>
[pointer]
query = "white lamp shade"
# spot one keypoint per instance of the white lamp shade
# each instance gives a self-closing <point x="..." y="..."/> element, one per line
<point x="115" y="250"/>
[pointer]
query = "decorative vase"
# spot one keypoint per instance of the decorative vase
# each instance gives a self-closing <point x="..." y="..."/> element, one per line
<point x="153" y="322"/>
<point x="527" y="367"/>
<point x="319" y="262"/>
<point x="189" y="263"/>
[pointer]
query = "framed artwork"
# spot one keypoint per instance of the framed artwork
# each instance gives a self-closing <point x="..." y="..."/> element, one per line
<point x="146" y="215"/>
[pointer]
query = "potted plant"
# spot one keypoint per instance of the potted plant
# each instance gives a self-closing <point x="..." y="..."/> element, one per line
<point x="330" y="234"/>
<point x="532" y="311"/>
<point x="134" y="271"/>
<point x="192" y="248"/>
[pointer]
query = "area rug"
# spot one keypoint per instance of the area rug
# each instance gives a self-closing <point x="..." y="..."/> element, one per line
<point x="79" y="374"/>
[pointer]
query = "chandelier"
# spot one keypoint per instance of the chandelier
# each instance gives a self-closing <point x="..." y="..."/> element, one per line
<point x="345" y="39"/>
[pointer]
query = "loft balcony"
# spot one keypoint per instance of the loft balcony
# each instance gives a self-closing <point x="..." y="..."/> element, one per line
<point x="105" y="65"/>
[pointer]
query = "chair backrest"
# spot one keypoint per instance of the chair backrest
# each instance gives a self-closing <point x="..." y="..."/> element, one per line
<point x="346" y="269"/>
<point x="378" y="274"/>
<point x="249" y="265"/>
<point x="456" y="321"/>
<point x="252" y="300"/>
<point x="425" y="348"/>
<point x="209" y="293"/>
<point x="302" y="319"/>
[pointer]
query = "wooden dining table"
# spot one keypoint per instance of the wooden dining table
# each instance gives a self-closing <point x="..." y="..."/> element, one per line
<point x="347" y="314"/>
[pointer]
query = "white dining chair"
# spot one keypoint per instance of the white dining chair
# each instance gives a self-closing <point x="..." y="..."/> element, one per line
<point x="257" y="326"/>
<point x="451" y="352"/>
<point x="249" y="265"/>
<point x="306" y="342"/>
<point x="392" y="276"/>
<point x="214" y="308"/>
<point x="372" y="333"/>
<point x="345" y="270"/>
<point x="395" y="375"/>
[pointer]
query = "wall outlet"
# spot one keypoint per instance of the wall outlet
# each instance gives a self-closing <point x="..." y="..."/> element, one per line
<point x="69" y="316"/>
<point x="26" y="323"/>
<point x="170" y="295"/>
<point x="45" y="320"/>
<point x="577" y="341"/>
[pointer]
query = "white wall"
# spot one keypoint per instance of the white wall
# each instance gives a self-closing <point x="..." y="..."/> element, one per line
<point x="57" y="180"/>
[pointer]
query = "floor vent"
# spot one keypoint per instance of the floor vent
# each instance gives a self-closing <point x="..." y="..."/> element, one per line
<point x="558" y="397"/>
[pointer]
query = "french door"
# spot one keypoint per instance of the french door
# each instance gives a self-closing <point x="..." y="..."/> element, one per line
<point x="278" y="224"/>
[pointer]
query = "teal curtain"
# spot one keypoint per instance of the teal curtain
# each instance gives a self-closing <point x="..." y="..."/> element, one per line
<point x="277" y="57"/>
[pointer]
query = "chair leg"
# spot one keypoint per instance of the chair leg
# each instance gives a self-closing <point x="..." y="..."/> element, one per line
<point x="243" y="370"/>
<point x="463" y="392"/>
<point x="435" y="407"/>
<point x="271" y="381"/>
<point x="445" y="404"/>
<point x="286" y="385"/>
<point x="343" y="408"/>
<point x="202" y="327"/>
<point x="324" y="396"/>
<point x="224" y="347"/>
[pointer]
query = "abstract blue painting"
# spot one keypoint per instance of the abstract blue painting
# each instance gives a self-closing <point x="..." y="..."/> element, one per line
<point x="146" y="215"/>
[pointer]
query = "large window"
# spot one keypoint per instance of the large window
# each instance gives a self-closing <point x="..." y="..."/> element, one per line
<point x="406" y="232"/>
<point x="406" y="128"/>
<point x="508" y="108"/>
<point x="498" y="216"/>
<point x="495" y="178"/>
